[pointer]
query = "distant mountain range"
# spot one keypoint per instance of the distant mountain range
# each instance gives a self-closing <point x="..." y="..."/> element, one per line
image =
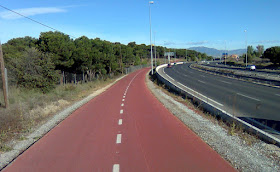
<point x="217" y="53"/>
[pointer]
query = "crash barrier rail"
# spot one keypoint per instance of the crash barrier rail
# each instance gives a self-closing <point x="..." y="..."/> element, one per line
<point x="267" y="71"/>
<point x="260" y="78"/>
<point x="259" y="72"/>
<point x="214" y="108"/>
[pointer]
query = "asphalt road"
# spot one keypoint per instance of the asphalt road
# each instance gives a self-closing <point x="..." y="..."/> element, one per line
<point x="124" y="129"/>
<point x="240" y="98"/>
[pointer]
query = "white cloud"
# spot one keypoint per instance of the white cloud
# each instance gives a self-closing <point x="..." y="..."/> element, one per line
<point x="169" y="43"/>
<point x="266" y="42"/>
<point x="30" y="12"/>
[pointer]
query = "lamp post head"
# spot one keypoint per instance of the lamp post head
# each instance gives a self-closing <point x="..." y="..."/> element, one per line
<point x="151" y="2"/>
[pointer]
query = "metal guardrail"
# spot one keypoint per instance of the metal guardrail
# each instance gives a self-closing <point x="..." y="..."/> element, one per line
<point x="214" y="109"/>
<point x="252" y="76"/>
<point x="267" y="71"/>
<point x="258" y="72"/>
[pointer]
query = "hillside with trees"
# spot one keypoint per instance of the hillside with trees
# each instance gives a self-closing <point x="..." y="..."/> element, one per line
<point x="39" y="63"/>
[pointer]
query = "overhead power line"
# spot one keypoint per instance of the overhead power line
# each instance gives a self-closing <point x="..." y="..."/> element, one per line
<point x="34" y="20"/>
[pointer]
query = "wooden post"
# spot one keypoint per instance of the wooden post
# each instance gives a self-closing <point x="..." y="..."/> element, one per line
<point x="2" y="65"/>
<point x="63" y="78"/>
<point x="7" y="87"/>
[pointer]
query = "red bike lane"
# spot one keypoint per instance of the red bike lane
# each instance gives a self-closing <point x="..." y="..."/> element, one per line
<point x="124" y="129"/>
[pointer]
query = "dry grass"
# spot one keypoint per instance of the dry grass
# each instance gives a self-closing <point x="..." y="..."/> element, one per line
<point x="30" y="108"/>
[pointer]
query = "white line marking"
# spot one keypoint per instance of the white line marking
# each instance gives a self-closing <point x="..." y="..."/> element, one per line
<point x="207" y="98"/>
<point x="120" y="121"/>
<point x="121" y="112"/>
<point x="248" y="97"/>
<point x="225" y="82"/>
<point x="123" y="96"/>
<point x="170" y="77"/>
<point x="130" y="83"/>
<point x="199" y="94"/>
<point x="201" y="81"/>
<point x="277" y="94"/>
<point x="202" y="76"/>
<point x="181" y="84"/>
<point x="123" y="100"/>
<point x="122" y="104"/>
<point x="119" y="138"/>
<point x="116" y="168"/>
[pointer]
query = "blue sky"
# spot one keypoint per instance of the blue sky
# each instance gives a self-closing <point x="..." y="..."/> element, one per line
<point x="177" y="24"/>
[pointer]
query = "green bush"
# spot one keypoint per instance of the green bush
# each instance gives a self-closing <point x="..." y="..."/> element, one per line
<point x="34" y="70"/>
<point x="273" y="54"/>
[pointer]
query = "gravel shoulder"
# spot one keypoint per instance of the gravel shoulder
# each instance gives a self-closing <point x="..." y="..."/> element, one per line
<point x="19" y="146"/>
<point x="258" y="156"/>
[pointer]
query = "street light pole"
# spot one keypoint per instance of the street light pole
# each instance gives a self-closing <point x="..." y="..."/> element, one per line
<point x="151" y="2"/>
<point x="164" y="53"/>
<point x="225" y="52"/>
<point x="246" y="46"/>
<point x="186" y="54"/>
<point x="155" y="50"/>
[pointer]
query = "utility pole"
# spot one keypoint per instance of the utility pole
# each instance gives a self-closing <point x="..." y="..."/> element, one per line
<point x="4" y="79"/>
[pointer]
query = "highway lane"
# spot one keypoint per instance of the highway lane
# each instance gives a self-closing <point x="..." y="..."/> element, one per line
<point x="240" y="98"/>
<point x="124" y="129"/>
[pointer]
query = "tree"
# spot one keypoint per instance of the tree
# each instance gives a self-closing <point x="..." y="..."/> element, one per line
<point x="209" y="58"/>
<point x="260" y="50"/>
<point x="273" y="54"/>
<point x="35" y="70"/>
<point x="204" y="56"/>
<point x="199" y="56"/>
<point x="250" y="50"/>
<point x="249" y="58"/>
<point x="60" y="46"/>
<point x="82" y="55"/>
<point x="14" y="48"/>
<point x="250" y="54"/>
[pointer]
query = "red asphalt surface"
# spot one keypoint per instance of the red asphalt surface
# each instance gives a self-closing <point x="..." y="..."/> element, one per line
<point x="152" y="139"/>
